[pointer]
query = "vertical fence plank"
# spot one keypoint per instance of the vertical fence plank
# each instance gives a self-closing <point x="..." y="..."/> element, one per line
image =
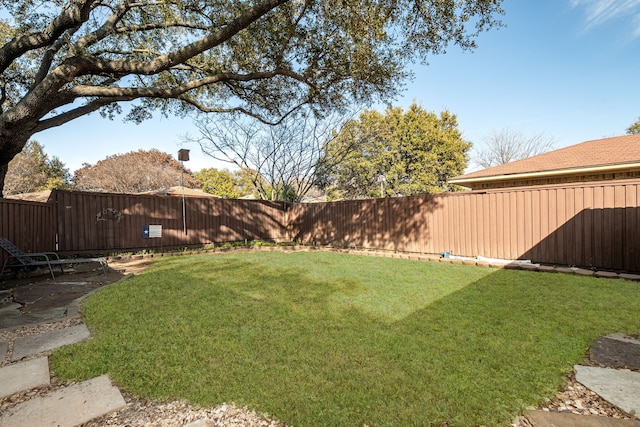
<point x="630" y="234"/>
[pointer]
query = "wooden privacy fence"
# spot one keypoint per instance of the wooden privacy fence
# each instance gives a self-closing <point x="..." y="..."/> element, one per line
<point x="97" y="221"/>
<point x="76" y="222"/>
<point x="588" y="225"/>
<point x="27" y="224"/>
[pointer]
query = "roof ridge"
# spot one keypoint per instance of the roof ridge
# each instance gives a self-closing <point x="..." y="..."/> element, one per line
<point x="590" y="153"/>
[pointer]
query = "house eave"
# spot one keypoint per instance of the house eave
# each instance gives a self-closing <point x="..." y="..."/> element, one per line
<point x="547" y="174"/>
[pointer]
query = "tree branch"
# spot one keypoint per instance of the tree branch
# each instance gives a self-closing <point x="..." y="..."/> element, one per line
<point x="164" y="62"/>
<point x="67" y="20"/>
<point x="49" y="55"/>
<point x="75" y="113"/>
<point x="150" y="92"/>
<point x="159" y="26"/>
<point x="242" y="110"/>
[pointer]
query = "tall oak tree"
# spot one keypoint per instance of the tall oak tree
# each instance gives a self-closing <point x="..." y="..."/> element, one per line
<point x="60" y="60"/>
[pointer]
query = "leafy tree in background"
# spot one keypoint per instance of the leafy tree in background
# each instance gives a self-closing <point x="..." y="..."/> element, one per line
<point x="61" y="60"/>
<point x="508" y="146"/>
<point x="219" y="182"/>
<point x="395" y="153"/>
<point x="33" y="170"/>
<point x="634" y="128"/>
<point x="134" y="172"/>
<point x="247" y="181"/>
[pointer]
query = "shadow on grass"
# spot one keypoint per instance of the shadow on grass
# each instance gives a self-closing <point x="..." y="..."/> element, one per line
<point x="303" y="337"/>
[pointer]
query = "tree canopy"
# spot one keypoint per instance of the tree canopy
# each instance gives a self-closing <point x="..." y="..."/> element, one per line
<point x="60" y="60"/>
<point x="33" y="170"/>
<point x="218" y="182"/>
<point x="134" y="172"/>
<point x="634" y="128"/>
<point x="395" y="153"/>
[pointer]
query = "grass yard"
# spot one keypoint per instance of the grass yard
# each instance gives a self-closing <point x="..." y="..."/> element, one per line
<point x="327" y="339"/>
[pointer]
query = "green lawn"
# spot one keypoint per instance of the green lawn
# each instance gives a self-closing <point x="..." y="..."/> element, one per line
<point x="326" y="339"/>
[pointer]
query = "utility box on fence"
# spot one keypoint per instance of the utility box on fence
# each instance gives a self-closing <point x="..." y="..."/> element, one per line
<point x="151" y="231"/>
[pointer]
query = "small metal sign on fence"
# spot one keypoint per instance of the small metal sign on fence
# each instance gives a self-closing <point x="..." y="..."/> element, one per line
<point x="151" y="231"/>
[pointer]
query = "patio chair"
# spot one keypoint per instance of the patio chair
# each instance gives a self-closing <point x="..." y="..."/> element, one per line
<point x="19" y="259"/>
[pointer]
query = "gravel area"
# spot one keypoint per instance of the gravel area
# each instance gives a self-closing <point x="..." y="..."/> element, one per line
<point x="177" y="414"/>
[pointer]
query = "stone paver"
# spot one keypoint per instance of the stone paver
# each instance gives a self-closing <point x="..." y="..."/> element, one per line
<point x="4" y="346"/>
<point x="583" y="272"/>
<point x="8" y="306"/>
<point x="616" y="351"/>
<point x="12" y="319"/>
<point x="23" y="376"/>
<point x="606" y="274"/>
<point x="629" y="276"/>
<point x="68" y="407"/>
<point x="620" y="387"/>
<point x="623" y="338"/>
<point x="26" y="346"/>
<point x="557" y="419"/>
<point x="201" y="423"/>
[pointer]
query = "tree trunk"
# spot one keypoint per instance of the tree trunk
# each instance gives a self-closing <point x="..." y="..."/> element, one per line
<point x="11" y="143"/>
<point x="3" y="173"/>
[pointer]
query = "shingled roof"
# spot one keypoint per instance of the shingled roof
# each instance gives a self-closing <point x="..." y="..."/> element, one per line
<point x="601" y="154"/>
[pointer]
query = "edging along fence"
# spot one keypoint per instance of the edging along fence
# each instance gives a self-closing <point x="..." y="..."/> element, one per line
<point x="590" y="225"/>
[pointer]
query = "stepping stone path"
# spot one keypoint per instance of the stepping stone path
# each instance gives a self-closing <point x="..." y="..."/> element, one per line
<point x="67" y="407"/>
<point x="618" y="386"/>
<point x="558" y="419"/>
<point x="34" y="344"/>
<point x="613" y="380"/>
<point x="23" y="376"/>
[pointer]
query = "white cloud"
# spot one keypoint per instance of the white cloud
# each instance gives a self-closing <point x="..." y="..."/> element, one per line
<point x="599" y="12"/>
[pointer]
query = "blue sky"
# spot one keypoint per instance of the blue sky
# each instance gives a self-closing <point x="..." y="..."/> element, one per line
<point x="567" y="68"/>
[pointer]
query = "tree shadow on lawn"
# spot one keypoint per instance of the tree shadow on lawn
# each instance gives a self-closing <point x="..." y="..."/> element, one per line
<point x="282" y="342"/>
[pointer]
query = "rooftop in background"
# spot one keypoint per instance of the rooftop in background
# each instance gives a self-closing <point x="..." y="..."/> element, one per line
<point x="37" y="196"/>
<point x="596" y="160"/>
<point x="177" y="191"/>
<point x="43" y="196"/>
